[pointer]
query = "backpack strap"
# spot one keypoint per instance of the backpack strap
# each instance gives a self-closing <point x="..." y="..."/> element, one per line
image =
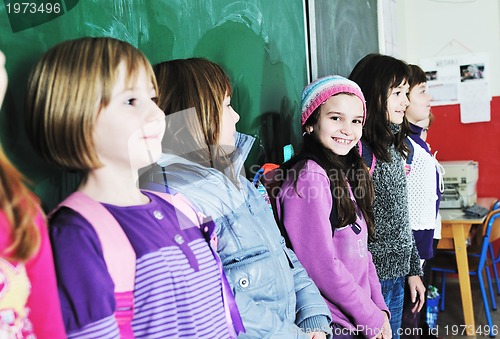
<point x="368" y="157"/>
<point x="118" y="253"/>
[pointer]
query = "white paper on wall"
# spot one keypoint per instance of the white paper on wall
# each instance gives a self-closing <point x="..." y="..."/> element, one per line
<point x="460" y="79"/>
<point x="474" y="100"/>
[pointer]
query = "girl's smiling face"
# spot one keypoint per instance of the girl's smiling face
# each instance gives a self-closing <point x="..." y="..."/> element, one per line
<point x="128" y="132"/>
<point x="340" y="123"/>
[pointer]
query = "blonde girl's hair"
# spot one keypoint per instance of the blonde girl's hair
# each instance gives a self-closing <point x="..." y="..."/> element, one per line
<point x="20" y="208"/>
<point x="191" y="93"/>
<point x="68" y="88"/>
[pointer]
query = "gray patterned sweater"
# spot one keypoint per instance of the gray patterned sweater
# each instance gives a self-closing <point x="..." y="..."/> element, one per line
<point x="393" y="249"/>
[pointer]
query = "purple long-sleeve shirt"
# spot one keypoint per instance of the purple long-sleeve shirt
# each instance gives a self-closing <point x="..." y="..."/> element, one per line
<point x="340" y="264"/>
<point x="177" y="291"/>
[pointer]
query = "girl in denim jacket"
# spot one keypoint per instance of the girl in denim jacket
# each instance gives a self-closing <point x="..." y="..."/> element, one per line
<point x="203" y="157"/>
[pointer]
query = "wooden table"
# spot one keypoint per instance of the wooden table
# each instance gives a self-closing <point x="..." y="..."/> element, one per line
<point x="454" y="235"/>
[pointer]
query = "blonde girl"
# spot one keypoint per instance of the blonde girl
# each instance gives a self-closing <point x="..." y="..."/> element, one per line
<point x="203" y="159"/>
<point x="92" y="107"/>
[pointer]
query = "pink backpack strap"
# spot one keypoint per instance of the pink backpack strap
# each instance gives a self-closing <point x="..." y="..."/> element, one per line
<point x="372" y="167"/>
<point x="118" y="253"/>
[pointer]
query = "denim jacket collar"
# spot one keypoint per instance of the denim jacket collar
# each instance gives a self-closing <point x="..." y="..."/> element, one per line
<point x="243" y="144"/>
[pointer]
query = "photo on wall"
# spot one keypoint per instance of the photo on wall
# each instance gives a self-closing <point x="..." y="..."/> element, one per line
<point x="471" y="72"/>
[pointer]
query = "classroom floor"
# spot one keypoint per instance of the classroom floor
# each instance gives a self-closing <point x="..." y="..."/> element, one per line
<point x="452" y="317"/>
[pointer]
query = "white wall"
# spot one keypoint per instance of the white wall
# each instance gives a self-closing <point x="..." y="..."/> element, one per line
<point x="431" y="28"/>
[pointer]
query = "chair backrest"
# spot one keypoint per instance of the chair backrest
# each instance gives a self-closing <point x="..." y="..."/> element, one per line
<point x="494" y="233"/>
<point x="493" y="225"/>
<point x="491" y="228"/>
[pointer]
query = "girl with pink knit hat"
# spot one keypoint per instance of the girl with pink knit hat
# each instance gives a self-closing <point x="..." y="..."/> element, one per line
<point x="325" y="208"/>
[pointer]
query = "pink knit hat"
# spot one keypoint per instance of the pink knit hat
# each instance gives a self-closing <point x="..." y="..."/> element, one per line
<point x="318" y="91"/>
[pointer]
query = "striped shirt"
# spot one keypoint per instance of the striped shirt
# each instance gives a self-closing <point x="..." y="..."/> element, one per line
<point x="177" y="288"/>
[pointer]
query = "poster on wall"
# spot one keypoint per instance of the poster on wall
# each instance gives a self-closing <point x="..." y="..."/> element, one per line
<point x="460" y="79"/>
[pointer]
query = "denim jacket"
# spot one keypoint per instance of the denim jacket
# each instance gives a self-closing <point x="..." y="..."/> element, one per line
<point x="275" y="296"/>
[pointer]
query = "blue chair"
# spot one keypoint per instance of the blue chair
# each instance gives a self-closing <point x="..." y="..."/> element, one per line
<point x="479" y="262"/>
<point x="495" y="258"/>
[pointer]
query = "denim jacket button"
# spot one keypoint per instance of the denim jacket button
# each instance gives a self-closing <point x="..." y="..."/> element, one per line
<point x="244" y="282"/>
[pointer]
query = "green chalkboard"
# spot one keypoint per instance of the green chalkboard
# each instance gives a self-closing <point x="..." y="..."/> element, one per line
<point x="260" y="43"/>
<point x="342" y="32"/>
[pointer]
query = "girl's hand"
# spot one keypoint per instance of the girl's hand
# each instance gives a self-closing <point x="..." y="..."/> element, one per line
<point x="317" y="335"/>
<point x="417" y="292"/>
<point x="386" y="328"/>
<point x="385" y="331"/>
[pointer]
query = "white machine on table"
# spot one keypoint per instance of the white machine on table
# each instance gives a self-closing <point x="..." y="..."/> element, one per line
<point x="460" y="181"/>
